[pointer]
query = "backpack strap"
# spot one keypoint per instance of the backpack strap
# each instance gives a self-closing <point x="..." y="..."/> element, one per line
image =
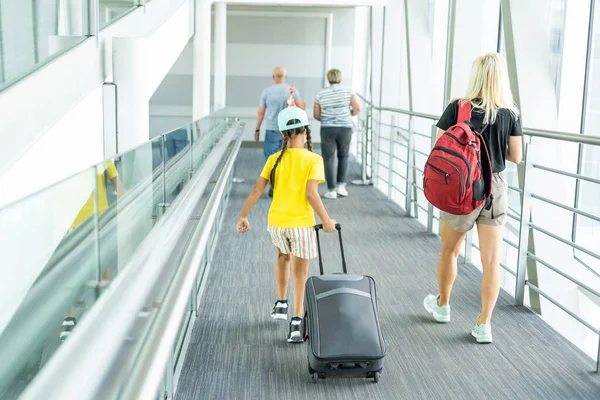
<point x="485" y="158"/>
<point x="464" y="115"/>
<point x="464" y="111"/>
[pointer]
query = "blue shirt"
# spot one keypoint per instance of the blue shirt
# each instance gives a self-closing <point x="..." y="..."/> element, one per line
<point x="275" y="98"/>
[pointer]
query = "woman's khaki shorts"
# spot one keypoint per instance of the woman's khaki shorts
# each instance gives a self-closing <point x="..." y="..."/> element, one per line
<point x="495" y="216"/>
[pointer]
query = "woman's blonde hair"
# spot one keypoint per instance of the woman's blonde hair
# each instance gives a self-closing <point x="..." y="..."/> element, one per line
<point x="334" y="76"/>
<point x="490" y="87"/>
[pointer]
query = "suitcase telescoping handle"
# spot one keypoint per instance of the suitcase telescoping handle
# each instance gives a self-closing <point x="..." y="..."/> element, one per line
<point x="339" y="230"/>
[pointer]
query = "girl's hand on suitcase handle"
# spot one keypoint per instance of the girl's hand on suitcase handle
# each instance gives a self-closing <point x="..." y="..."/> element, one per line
<point x="243" y="225"/>
<point x="329" y="226"/>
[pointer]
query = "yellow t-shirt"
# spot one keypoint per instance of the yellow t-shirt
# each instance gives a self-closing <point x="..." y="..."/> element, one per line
<point x="290" y="207"/>
<point x="88" y="208"/>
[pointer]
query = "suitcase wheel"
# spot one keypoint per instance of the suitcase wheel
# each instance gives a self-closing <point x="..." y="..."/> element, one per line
<point x="317" y="375"/>
<point x="374" y="375"/>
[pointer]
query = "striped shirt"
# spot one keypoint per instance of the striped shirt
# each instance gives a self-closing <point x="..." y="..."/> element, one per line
<point x="336" y="109"/>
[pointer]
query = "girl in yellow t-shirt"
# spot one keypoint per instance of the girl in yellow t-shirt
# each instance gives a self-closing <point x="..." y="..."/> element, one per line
<point x="295" y="173"/>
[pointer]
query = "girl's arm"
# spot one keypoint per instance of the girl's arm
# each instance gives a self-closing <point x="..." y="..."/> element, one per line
<point x="312" y="195"/>
<point x="255" y="193"/>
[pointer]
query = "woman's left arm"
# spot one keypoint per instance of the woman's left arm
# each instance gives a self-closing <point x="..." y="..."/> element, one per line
<point x="317" y="111"/>
<point x="355" y="102"/>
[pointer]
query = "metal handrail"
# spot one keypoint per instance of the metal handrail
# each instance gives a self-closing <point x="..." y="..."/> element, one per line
<point x="104" y="330"/>
<point x="143" y="382"/>
<point x="398" y="110"/>
<point x="547" y="134"/>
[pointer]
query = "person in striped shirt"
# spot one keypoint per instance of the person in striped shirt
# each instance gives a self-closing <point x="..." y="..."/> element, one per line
<point x="335" y="106"/>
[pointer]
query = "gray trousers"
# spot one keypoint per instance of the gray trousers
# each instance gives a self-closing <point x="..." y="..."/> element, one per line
<point x="335" y="138"/>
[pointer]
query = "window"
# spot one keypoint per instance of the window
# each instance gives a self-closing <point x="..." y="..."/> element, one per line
<point x="587" y="231"/>
<point x="556" y="28"/>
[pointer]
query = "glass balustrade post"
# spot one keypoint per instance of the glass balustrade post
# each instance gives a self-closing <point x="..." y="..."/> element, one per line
<point x="375" y="125"/>
<point x="391" y="152"/>
<point x="522" y="253"/>
<point x="162" y="207"/>
<point x="598" y="356"/>
<point x="364" y="144"/>
<point x="359" y="129"/>
<point x="194" y="301"/>
<point x="96" y="236"/>
<point x="409" y="166"/>
<point x="363" y="147"/>
<point x="93" y="11"/>
<point x="375" y="153"/>
<point x="190" y="138"/>
<point x="169" y="377"/>
<point x="429" y="205"/>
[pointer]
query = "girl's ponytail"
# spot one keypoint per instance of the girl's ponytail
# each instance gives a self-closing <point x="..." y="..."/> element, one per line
<point x="284" y="145"/>
<point x="308" y="139"/>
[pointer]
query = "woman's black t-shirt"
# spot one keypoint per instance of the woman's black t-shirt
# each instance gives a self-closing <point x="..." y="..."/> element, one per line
<point x="496" y="135"/>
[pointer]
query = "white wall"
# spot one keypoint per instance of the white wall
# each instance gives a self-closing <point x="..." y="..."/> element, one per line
<point x="136" y="82"/>
<point x="293" y="37"/>
<point x="73" y="144"/>
<point x="45" y="97"/>
<point x="54" y="130"/>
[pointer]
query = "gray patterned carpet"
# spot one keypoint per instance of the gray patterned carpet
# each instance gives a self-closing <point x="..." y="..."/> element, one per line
<point x="238" y="352"/>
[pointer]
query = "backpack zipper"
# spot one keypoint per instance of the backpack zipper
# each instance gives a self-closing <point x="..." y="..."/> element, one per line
<point x="441" y="171"/>
<point x="460" y="173"/>
<point x="470" y="143"/>
<point x="456" y="139"/>
<point x="454" y="153"/>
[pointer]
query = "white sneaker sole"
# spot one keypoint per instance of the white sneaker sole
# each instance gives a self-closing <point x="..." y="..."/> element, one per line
<point x="296" y="337"/>
<point x="482" y="338"/>
<point x="342" y="194"/>
<point x="436" y="316"/>
<point x="281" y="317"/>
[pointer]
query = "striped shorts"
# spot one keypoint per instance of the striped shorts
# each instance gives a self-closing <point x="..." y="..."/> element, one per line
<point x="300" y="242"/>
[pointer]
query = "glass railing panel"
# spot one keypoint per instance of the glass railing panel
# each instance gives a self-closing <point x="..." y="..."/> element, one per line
<point x="64" y="245"/>
<point x="133" y="186"/>
<point x="208" y="132"/>
<point x="50" y="270"/>
<point x="33" y="33"/>
<point x="146" y="323"/>
<point x="111" y="10"/>
<point x="178" y="160"/>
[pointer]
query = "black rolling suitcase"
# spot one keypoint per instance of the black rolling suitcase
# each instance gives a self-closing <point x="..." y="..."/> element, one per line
<point x="342" y="324"/>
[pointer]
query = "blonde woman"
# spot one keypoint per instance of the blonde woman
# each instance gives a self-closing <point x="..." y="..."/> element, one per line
<point x="335" y="106"/>
<point x="492" y="105"/>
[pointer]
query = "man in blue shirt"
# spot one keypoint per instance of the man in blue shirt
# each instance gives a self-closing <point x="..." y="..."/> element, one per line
<point x="272" y="100"/>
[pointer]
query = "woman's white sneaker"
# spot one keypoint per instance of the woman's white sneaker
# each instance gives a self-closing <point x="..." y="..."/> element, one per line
<point x="440" y="313"/>
<point x="483" y="333"/>
<point x="341" y="190"/>
<point x="332" y="194"/>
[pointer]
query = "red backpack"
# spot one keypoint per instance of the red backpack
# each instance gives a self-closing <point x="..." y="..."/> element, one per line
<point x="458" y="173"/>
